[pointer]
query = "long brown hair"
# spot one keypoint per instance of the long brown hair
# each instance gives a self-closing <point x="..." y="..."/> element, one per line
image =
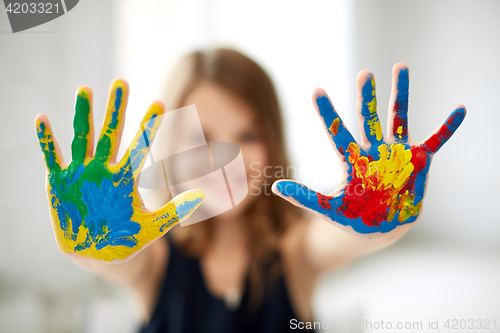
<point x="269" y="215"/>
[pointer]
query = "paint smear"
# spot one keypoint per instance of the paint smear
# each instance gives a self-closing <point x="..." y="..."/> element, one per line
<point x="372" y="127"/>
<point x="436" y="141"/>
<point x="324" y="201"/>
<point x="340" y="134"/>
<point x="400" y="124"/>
<point x="378" y="189"/>
<point x="334" y="127"/>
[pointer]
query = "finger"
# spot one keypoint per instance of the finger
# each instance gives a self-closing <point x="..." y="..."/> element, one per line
<point x="304" y="197"/>
<point x="369" y="123"/>
<point x="139" y="147"/>
<point x="334" y="126"/>
<point x="50" y="148"/>
<point x="83" y="126"/>
<point x="177" y="210"/>
<point x="397" y="125"/>
<point x="444" y="133"/>
<point x="110" y="137"/>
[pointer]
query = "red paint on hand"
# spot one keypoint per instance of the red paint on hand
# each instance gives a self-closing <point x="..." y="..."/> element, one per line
<point x="438" y="139"/>
<point x="334" y="127"/>
<point x="399" y="122"/>
<point x="323" y="201"/>
<point x="379" y="189"/>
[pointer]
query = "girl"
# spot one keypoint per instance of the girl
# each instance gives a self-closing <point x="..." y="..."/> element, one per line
<point x="254" y="267"/>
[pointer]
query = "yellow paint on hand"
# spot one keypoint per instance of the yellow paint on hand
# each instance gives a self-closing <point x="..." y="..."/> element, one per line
<point x="334" y="127"/>
<point x="150" y="228"/>
<point x="373" y="121"/>
<point x="388" y="175"/>
<point x="400" y="131"/>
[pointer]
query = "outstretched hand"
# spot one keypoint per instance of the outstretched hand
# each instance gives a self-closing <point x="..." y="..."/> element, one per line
<point x="385" y="177"/>
<point x="95" y="207"/>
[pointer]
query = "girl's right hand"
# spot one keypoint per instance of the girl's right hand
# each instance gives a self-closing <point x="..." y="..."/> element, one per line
<point x="383" y="186"/>
<point x="96" y="210"/>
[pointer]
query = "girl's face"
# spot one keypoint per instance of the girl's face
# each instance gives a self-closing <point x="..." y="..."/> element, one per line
<point x="225" y="117"/>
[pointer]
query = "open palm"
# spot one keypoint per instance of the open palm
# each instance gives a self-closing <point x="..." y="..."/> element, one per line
<point x="385" y="179"/>
<point x="95" y="207"/>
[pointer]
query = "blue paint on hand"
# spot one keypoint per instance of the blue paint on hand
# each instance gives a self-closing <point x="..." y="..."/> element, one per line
<point x="110" y="206"/>
<point x="187" y="207"/>
<point x="118" y="102"/>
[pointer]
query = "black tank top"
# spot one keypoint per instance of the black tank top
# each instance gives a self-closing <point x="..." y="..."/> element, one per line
<point x="185" y="305"/>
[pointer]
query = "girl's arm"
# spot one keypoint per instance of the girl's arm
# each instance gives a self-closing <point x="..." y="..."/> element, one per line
<point x="143" y="275"/>
<point x="326" y="247"/>
<point x="98" y="217"/>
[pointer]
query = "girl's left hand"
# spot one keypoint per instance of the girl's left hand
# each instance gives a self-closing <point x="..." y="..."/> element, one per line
<point x="384" y="182"/>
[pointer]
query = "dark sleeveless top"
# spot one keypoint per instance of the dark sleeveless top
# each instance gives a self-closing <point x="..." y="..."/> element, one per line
<point x="185" y="305"/>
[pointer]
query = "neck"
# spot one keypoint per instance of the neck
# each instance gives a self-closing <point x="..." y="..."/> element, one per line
<point x="229" y="233"/>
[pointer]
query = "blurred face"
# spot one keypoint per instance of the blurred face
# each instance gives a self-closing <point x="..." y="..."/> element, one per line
<point x="225" y="117"/>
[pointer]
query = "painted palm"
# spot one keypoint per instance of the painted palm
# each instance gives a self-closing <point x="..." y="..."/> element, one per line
<point x="94" y="204"/>
<point x="385" y="178"/>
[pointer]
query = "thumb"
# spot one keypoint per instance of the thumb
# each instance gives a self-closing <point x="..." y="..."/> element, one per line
<point x="304" y="197"/>
<point x="178" y="209"/>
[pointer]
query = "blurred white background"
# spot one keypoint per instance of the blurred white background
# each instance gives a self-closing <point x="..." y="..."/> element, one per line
<point x="448" y="266"/>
